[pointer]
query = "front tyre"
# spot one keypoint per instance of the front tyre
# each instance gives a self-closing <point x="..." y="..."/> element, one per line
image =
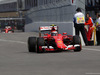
<point x="32" y="44"/>
<point x="77" y="40"/>
<point x="40" y="43"/>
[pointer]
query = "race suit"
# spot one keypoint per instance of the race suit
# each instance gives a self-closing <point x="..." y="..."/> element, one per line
<point x="89" y="32"/>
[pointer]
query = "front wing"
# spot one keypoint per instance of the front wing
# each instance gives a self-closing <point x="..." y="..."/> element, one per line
<point x="69" y="47"/>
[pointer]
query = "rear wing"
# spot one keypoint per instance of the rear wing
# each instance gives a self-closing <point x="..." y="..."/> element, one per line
<point x="46" y="28"/>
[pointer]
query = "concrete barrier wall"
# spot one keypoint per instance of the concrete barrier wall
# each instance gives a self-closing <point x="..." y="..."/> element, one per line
<point x="63" y="26"/>
<point x="56" y="14"/>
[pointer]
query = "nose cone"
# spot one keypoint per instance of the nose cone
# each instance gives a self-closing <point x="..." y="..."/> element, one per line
<point x="59" y="42"/>
<point x="61" y="45"/>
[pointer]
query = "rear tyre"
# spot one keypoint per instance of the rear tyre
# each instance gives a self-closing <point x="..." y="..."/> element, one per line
<point x="77" y="40"/>
<point x="40" y="43"/>
<point x="32" y="44"/>
<point x="12" y="30"/>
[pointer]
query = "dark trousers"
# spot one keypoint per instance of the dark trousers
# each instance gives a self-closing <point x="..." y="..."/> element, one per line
<point x="98" y="37"/>
<point x="80" y="28"/>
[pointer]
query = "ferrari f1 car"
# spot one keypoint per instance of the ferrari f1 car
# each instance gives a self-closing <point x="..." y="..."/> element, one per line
<point x="7" y="29"/>
<point x="53" y="41"/>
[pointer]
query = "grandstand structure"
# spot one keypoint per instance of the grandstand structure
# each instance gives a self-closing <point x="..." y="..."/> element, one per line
<point x="10" y="8"/>
<point x="12" y="12"/>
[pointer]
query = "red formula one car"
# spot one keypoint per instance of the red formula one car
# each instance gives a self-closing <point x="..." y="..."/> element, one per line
<point x="7" y="29"/>
<point x="53" y="41"/>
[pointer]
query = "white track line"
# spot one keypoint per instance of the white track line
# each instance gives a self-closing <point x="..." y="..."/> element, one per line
<point x="12" y="41"/>
<point x="92" y="73"/>
<point x="91" y="49"/>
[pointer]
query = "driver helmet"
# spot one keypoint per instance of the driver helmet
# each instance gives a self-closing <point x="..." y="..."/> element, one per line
<point x="54" y="33"/>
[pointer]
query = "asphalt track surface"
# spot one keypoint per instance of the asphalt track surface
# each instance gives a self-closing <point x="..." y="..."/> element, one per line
<point x="16" y="60"/>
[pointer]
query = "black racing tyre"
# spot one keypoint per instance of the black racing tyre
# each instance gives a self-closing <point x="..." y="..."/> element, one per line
<point x="12" y="30"/>
<point x="40" y="42"/>
<point x="77" y="40"/>
<point x="32" y="44"/>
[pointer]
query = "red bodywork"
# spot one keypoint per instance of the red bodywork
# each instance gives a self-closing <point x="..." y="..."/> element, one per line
<point x="57" y="42"/>
<point x="7" y="29"/>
